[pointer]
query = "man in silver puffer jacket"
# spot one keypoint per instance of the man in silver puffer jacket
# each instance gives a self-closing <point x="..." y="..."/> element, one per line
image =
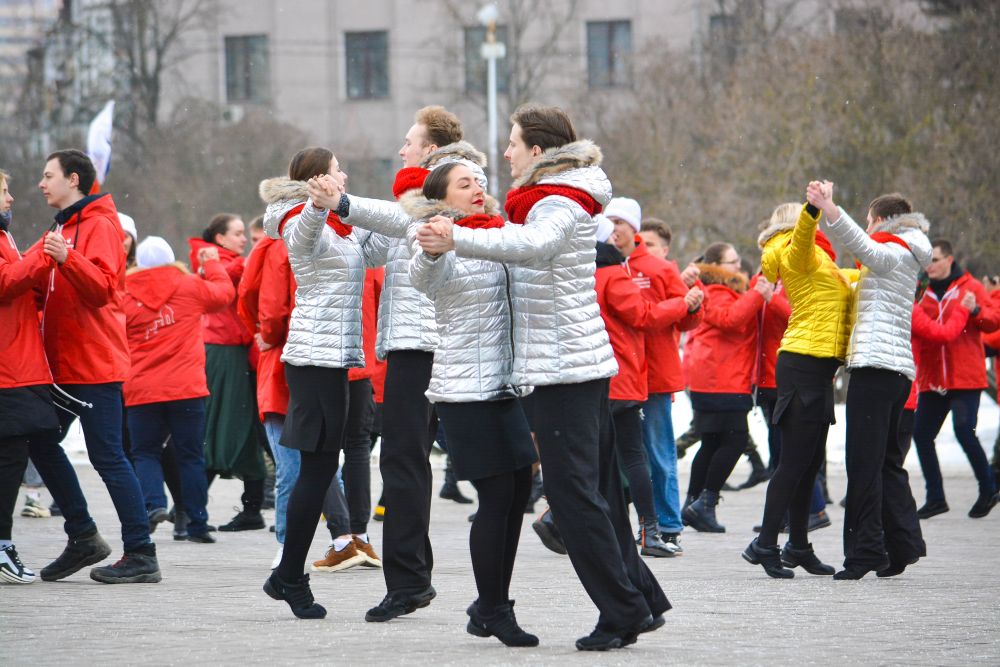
<point x="881" y="529"/>
<point x="562" y="348"/>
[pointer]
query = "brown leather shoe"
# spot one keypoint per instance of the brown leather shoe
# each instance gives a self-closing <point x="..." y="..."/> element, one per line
<point x="367" y="551"/>
<point x="339" y="560"/>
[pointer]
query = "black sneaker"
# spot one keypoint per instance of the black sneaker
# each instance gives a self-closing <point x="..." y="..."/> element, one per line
<point x="135" y="567"/>
<point x="181" y="525"/>
<point x="12" y="570"/>
<point x="203" y="538"/>
<point x="675" y="540"/>
<point x="605" y="640"/>
<point x="932" y="509"/>
<point x="399" y="604"/>
<point x="78" y="554"/>
<point x="244" y="520"/>
<point x="548" y="533"/>
<point x="297" y="594"/>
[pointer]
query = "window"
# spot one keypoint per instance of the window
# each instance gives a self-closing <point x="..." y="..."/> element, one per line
<point x="475" y="64"/>
<point x="609" y="53"/>
<point x="367" y="64"/>
<point x="248" y="76"/>
<point x="723" y="38"/>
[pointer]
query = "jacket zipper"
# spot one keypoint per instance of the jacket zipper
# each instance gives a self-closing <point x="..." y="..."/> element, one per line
<point x="510" y="328"/>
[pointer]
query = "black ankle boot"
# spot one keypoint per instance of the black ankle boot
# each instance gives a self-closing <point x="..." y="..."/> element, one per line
<point x="501" y="624"/>
<point x="767" y="557"/>
<point x="806" y="559"/>
<point x="450" y="490"/>
<point x="700" y="514"/>
<point x="297" y="594"/>
<point x="651" y="544"/>
<point x="759" y="473"/>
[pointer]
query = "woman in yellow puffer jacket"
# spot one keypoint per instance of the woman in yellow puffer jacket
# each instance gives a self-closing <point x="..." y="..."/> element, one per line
<point x="813" y="347"/>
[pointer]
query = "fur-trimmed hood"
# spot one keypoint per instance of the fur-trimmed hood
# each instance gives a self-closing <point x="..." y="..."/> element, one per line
<point x="282" y="188"/>
<point x="418" y="207"/>
<point x="281" y="195"/>
<point x="912" y="228"/>
<point x="713" y="274"/>
<point x="181" y="266"/>
<point x="557" y="160"/>
<point x="460" y="150"/>
<point x="773" y="230"/>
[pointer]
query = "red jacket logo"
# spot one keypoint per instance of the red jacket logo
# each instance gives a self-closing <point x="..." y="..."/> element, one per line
<point x="165" y="319"/>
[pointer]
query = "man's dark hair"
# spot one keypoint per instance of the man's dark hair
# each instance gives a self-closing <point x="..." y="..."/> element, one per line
<point x="436" y="183"/>
<point x="545" y="127"/>
<point x="890" y="205"/>
<point x="72" y="161"/>
<point x="714" y="253"/>
<point x="257" y="223"/>
<point x="218" y="225"/>
<point x="659" y="227"/>
<point x="944" y="245"/>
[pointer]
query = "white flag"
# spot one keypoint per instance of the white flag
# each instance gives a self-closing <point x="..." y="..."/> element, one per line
<point x="99" y="141"/>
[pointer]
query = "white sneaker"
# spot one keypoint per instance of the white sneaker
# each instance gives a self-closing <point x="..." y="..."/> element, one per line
<point x="34" y="509"/>
<point x="12" y="570"/>
<point x="277" y="557"/>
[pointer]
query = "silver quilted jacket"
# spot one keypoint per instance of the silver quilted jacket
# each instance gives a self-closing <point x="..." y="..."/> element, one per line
<point x="475" y="357"/>
<point x="883" y="297"/>
<point x="325" y="327"/>
<point x="559" y="336"/>
<point x="405" y="316"/>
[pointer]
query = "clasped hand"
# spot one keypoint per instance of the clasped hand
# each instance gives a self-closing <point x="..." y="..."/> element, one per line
<point x="435" y="236"/>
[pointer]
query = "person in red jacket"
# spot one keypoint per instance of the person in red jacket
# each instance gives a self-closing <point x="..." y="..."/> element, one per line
<point x="84" y="331"/>
<point x="628" y="316"/>
<point x="26" y="410"/>
<point x="658" y="280"/>
<point x="265" y="303"/>
<point x="951" y="378"/>
<point x="992" y="342"/>
<point x="232" y="448"/>
<point x="719" y="368"/>
<point x="166" y="389"/>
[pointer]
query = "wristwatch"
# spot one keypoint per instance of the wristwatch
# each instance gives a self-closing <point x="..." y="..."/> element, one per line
<point x="344" y="207"/>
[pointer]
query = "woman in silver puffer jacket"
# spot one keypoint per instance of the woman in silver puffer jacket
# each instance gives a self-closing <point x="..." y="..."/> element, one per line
<point x="324" y="340"/>
<point x="488" y="436"/>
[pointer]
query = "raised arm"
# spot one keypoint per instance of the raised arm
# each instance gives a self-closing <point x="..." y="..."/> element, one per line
<point x="548" y="229"/>
<point x="216" y="291"/>
<point x="428" y="273"/>
<point x="376" y="215"/>
<point x="303" y="231"/>
<point x="882" y="258"/>
<point x="801" y="255"/>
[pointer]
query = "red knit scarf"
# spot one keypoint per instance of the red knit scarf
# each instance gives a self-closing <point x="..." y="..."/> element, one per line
<point x="481" y="221"/>
<point x="521" y="200"/>
<point x="886" y="237"/>
<point x="824" y="244"/>
<point x="409" y="178"/>
<point x="332" y="221"/>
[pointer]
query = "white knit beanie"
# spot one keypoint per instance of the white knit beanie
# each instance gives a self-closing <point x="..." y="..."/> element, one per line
<point x="625" y="209"/>
<point x="152" y="252"/>
<point x="477" y="171"/>
<point x="128" y="225"/>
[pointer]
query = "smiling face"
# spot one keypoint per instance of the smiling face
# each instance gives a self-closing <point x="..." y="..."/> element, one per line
<point x="464" y="192"/>
<point x="58" y="189"/>
<point x="416" y="146"/>
<point x="519" y="154"/>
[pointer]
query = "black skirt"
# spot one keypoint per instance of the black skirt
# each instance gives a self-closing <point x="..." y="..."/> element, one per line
<point x="808" y="380"/>
<point x="27" y="411"/>
<point x="486" y="438"/>
<point x="720" y="413"/>
<point x="317" y="408"/>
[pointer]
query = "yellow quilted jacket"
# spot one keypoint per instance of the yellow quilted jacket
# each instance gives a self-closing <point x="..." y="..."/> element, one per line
<point x="821" y="294"/>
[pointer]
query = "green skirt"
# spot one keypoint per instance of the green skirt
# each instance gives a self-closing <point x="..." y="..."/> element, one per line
<point x="232" y="448"/>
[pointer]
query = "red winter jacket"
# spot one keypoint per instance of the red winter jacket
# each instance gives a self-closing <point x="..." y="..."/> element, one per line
<point x="21" y="346"/>
<point x="163" y="310"/>
<point x="265" y="303"/>
<point x="928" y="330"/>
<point x="627" y="315"/>
<point x="960" y="364"/>
<point x="374" y="369"/>
<point x="993" y="338"/>
<point x="771" y="324"/>
<point x="82" y="322"/>
<point x="720" y="356"/>
<point x="223" y="327"/>
<point x="660" y="280"/>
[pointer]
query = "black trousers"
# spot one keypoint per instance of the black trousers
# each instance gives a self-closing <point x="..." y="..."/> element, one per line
<point x="408" y="429"/>
<point x="880" y="519"/>
<point x="348" y="511"/>
<point x="13" y="462"/>
<point x="627" y="416"/>
<point x="575" y="437"/>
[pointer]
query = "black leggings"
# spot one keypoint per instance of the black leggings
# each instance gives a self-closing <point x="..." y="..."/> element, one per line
<point x="632" y="456"/>
<point x="13" y="461"/>
<point x="305" y="504"/>
<point x="495" y="533"/>
<point x="718" y="455"/>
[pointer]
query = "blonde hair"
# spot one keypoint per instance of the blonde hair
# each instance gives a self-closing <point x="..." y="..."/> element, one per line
<point x="442" y="126"/>
<point x="784" y="215"/>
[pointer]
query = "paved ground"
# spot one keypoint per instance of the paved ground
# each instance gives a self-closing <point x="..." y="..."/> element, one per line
<point x="209" y="607"/>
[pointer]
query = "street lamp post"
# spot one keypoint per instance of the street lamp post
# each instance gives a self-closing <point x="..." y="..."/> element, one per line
<point x="491" y="51"/>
